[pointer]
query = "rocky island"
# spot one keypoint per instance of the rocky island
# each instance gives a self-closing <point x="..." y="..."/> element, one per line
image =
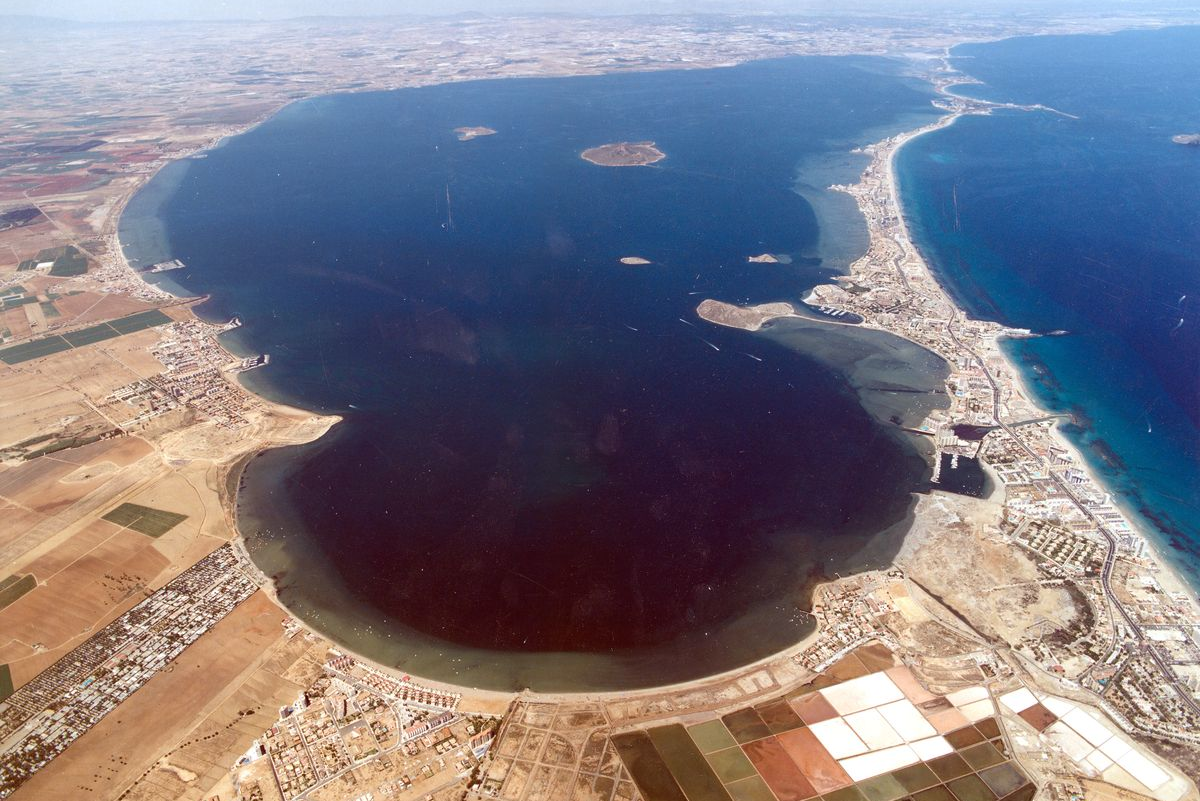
<point x="623" y="154"/>
<point x="748" y="318"/>
<point x="467" y="133"/>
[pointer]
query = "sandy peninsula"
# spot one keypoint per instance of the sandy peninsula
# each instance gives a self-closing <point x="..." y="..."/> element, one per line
<point x="467" y="133"/>
<point x="623" y="154"/>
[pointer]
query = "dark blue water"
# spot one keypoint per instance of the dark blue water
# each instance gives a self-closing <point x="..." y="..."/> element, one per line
<point x="545" y="451"/>
<point x="1089" y="225"/>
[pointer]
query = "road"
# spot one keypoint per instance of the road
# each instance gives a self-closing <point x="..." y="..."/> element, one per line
<point x="1110" y="558"/>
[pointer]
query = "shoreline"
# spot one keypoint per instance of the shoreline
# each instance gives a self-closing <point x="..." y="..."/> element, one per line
<point x="229" y="470"/>
<point x="944" y="594"/>
<point x="785" y="657"/>
<point x="791" y="644"/>
<point x="1166" y="567"/>
<point x="1020" y="382"/>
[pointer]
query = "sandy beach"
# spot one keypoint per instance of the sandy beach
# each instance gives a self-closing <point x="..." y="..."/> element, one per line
<point x="1166" y="574"/>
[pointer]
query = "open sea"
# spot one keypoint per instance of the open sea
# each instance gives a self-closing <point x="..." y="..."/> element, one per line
<point x="1090" y="225"/>
<point x="551" y="473"/>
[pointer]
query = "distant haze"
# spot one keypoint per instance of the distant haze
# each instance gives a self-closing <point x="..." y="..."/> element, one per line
<point x="135" y="10"/>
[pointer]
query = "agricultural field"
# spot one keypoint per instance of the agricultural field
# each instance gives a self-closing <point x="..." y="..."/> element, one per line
<point x="14" y="587"/>
<point x="39" y="348"/>
<point x="151" y="522"/>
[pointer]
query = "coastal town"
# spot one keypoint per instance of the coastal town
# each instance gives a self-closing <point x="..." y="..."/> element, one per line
<point x="124" y="440"/>
<point x="46" y="715"/>
<point x="356" y="728"/>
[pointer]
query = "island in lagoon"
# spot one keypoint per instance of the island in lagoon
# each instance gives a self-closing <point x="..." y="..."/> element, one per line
<point x="623" y="154"/>
<point x="467" y="133"/>
<point x="748" y="318"/>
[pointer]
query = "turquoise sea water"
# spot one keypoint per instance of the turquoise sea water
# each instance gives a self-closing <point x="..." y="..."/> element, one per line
<point x="1089" y="225"/>
<point x="551" y="473"/>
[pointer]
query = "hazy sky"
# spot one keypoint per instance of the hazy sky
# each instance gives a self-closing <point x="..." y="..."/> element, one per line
<point x="126" y="10"/>
<point x="113" y="10"/>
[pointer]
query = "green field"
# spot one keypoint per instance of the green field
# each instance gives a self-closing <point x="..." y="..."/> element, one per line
<point x="90" y="336"/>
<point x="85" y="336"/>
<point x="14" y="587"/>
<point x="144" y="520"/>
<point x="6" y="687"/>
<point x="139" y="321"/>
<point x="12" y="303"/>
<point x="62" y="445"/>
<point x="67" y="261"/>
<point x="33" y="350"/>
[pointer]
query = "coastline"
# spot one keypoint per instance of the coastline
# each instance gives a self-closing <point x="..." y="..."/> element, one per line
<point x="767" y="639"/>
<point x="1163" y="568"/>
<point x="781" y="662"/>
<point x="278" y="424"/>
<point x="1166" y="568"/>
<point x="1004" y="591"/>
<point x="119" y="260"/>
